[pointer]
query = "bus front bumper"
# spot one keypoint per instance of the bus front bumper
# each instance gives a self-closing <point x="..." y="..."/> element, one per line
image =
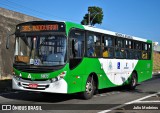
<point x="41" y="86"/>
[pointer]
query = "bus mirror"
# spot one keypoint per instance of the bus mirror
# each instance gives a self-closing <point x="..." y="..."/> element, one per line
<point x="7" y="41"/>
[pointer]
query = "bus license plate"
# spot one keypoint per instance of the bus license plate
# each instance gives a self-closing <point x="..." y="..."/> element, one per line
<point x="33" y="85"/>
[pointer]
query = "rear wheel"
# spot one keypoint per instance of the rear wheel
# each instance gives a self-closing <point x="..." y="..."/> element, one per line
<point x="133" y="81"/>
<point x="89" y="88"/>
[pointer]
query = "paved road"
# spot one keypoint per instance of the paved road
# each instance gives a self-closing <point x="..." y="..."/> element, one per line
<point x="145" y="98"/>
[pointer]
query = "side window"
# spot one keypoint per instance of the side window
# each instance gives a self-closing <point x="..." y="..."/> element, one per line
<point x="98" y="45"/>
<point x="119" y="48"/>
<point x="137" y="50"/>
<point x="128" y="49"/>
<point x="144" y="51"/>
<point x="93" y="45"/>
<point x="130" y="43"/>
<point x="126" y="44"/>
<point x="149" y="51"/>
<point x="107" y="46"/>
<point x="137" y="46"/>
<point x="149" y="47"/>
<point x="119" y="42"/>
<point x="76" y="44"/>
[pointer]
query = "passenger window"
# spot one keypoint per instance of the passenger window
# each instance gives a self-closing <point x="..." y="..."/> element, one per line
<point x="149" y="47"/>
<point x="93" y="45"/>
<point x="119" y="42"/>
<point x="137" y="54"/>
<point x="128" y="49"/>
<point x="77" y="44"/>
<point x="145" y="51"/>
<point x="144" y="47"/>
<point x="90" y="46"/>
<point x="98" y="45"/>
<point x="130" y="43"/>
<point x="126" y="44"/>
<point x="119" y="50"/>
<point x="149" y="51"/>
<point x="107" y="47"/>
<point x="144" y="55"/>
<point x="131" y="54"/>
<point x="76" y="47"/>
<point x="137" y="46"/>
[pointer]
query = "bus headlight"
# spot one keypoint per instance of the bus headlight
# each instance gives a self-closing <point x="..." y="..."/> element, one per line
<point x="17" y="77"/>
<point x="59" y="77"/>
<point x="62" y="75"/>
<point x="13" y="73"/>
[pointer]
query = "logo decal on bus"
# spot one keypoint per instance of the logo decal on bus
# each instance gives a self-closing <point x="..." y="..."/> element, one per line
<point x="118" y="65"/>
<point x="126" y="66"/>
<point x="36" y="62"/>
<point x="110" y="65"/>
<point x="29" y="76"/>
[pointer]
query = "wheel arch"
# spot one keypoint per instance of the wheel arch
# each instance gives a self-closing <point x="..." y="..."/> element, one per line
<point x="95" y="78"/>
<point x="134" y="71"/>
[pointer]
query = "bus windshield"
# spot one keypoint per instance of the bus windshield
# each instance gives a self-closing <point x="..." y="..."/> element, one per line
<point x="41" y="50"/>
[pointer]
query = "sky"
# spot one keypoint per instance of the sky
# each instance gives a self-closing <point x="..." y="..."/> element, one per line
<point x="140" y="18"/>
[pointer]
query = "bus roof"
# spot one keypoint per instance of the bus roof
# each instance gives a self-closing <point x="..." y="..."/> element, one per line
<point x="94" y="29"/>
<point x="114" y="33"/>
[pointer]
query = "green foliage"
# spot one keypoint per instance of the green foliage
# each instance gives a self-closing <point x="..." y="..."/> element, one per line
<point x="96" y="16"/>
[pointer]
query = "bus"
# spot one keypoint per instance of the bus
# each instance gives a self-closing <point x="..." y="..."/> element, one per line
<point x="65" y="57"/>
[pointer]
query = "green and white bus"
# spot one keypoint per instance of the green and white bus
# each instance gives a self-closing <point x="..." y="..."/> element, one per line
<point x="64" y="57"/>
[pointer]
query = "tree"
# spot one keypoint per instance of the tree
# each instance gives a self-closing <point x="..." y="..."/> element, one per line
<point x="96" y="16"/>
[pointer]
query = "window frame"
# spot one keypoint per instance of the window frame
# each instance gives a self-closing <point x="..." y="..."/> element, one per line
<point x="128" y="55"/>
<point x="70" y="44"/>
<point x="94" y="45"/>
<point x="111" y="47"/>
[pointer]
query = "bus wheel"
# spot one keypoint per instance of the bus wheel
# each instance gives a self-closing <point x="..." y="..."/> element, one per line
<point x="133" y="81"/>
<point x="89" y="88"/>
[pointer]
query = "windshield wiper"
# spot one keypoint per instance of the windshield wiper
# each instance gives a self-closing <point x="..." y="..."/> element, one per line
<point x="21" y="62"/>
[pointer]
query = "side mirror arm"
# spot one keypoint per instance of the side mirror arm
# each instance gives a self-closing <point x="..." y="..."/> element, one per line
<point x="7" y="41"/>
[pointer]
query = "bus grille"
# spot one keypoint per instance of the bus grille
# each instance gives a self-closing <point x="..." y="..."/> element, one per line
<point x="39" y="87"/>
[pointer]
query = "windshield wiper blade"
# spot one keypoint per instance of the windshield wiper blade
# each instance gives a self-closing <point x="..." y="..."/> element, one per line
<point x="20" y="62"/>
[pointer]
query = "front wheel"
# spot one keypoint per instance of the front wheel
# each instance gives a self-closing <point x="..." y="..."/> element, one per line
<point x="133" y="81"/>
<point x="89" y="88"/>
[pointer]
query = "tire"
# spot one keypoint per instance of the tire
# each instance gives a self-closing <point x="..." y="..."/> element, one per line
<point x="133" y="81"/>
<point x="89" y="89"/>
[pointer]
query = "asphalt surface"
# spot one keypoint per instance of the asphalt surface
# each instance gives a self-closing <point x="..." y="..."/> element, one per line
<point x="144" y="99"/>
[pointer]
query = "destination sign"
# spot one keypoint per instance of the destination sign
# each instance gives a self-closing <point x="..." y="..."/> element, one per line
<point x="50" y="27"/>
<point x="123" y="35"/>
<point x="28" y="28"/>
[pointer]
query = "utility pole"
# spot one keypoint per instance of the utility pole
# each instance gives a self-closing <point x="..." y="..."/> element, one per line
<point x="89" y="13"/>
<point x="94" y="17"/>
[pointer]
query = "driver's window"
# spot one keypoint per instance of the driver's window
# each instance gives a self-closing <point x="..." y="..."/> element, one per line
<point x="76" y="44"/>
